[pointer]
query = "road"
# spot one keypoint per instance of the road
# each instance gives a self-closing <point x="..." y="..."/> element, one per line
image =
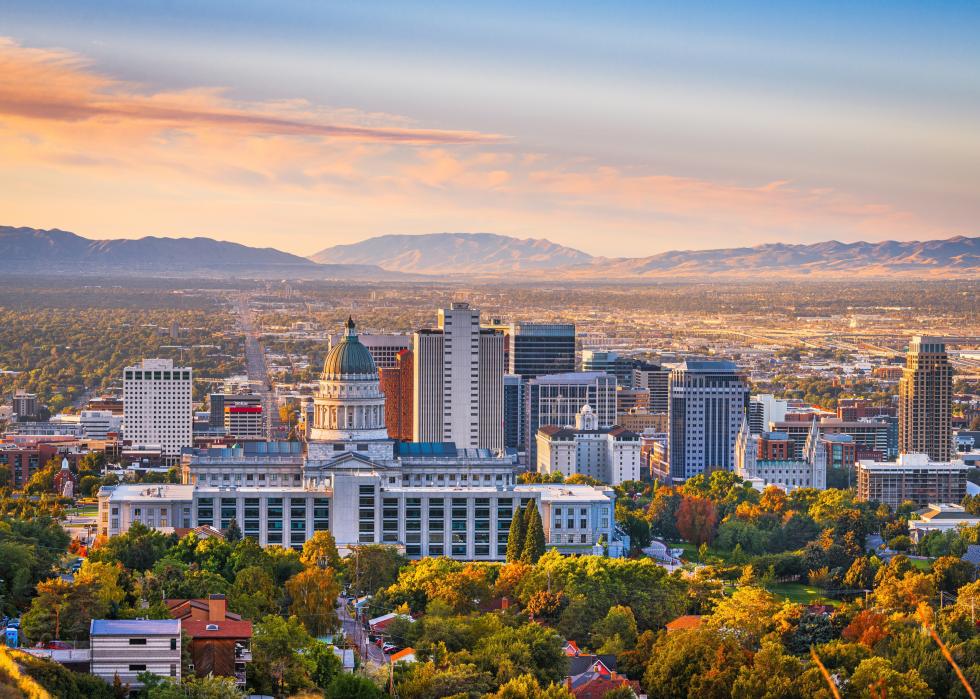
<point x="258" y="371"/>
<point x="353" y="630"/>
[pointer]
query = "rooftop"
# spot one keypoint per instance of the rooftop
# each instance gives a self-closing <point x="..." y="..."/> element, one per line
<point x="135" y="627"/>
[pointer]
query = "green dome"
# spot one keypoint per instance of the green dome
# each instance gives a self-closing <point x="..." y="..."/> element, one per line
<point x="349" y="356"/>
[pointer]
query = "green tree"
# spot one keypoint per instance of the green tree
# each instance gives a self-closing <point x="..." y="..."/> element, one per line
<point x="62" y="611"/>
<point x="348" y="686"/>
<point x="253" y="594"/>
<point x="773" y="674"/>
<point x="527" y="687"/>
<point x="515" y="539"/>
<point x="371" y="567"/>
<point x="137" y="549"/>
<point x="699" y="663"/>
<point x="233" y="533"/>
<point x="534" y="543"/>
<point x="616" y="632"/>
<point x="326" y="664"/>
<point x="875" y="677"/>
<point x="952" y="573"/>
<point x="280" y="664"/>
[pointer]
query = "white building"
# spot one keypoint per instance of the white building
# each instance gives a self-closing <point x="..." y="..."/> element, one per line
<point x="940" y="518"/>
<point x="431" y="498"/>
<point x="459" y="381"/>
<point x="127" y="647"/>
<point x="788" y="474"/>
<point x="157" y="406"/>
<point x="243" y="416"/>
<point x="609" y="455"/>
<point x="97" y="424"/>
<point x="556" y="399"/>
<point x="765" y="409"/>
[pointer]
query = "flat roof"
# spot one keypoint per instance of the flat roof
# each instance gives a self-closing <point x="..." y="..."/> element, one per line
<point x="135" y="627"/>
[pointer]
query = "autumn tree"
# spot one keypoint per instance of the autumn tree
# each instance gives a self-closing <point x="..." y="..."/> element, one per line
<point x="313" y="594"/>
<point x="321" y="550"/>
<point x="696" y="520"/>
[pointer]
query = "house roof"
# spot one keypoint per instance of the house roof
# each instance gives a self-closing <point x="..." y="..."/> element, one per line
<point x="404" y="655"/>
<point x="596" y="686"/>
<point x="181" y="608"/>
<point x="229" y="628"/>
<point x="687" y="621"/>
<point x="580" y="664"/>
<point x="972" y="554"/>
<point x="135" y="627"/>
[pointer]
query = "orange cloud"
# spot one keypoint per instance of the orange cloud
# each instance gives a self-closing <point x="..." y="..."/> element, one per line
<point x="45" y="84"/>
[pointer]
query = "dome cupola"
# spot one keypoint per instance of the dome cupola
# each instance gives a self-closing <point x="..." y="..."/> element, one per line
<point x="349" y="359"/>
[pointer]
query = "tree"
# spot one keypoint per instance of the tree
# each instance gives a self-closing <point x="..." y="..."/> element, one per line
<point x="253" y="594"/>
<point x="515" y="539"/>
<point x="617" y="632"/>
<point x="348" y="686"/>
<point x="314" y="596"/>
<point x="748" y="615"/>
<point x="875" y="677"/>
<point x="867" y="628"/>
<point x="698" y="663"/>
<point x="527" y="649"/>
<point x="428" y="681"/>
<point x="233" y="533"/>
<point x="696" y="520"/>
<point x="534" y="543"/>
<point x="42" y="480"/>
<point x="105" y="579"/>
<point x="326" y="664"/>
<point x="279" y="660"/>
<point x="321" y="550"/>
<point x="527" y="687"/>
<point x="773" y="674"/>
<point x="371" y="567"/>
<point x="138" y="549"/>
<point x="952" y="573"/>
<point x="62" y="611"/>
<point x="662" y="513"/>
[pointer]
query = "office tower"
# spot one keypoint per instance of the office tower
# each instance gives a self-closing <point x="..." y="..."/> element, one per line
<point x="157" y="406"/>
<point x="384" y="348"/>
<point x="25" y="405"/>
<point x="216" y="410"/>
<point x="609" y="455"/>
<point x="514" y="387"/>
<point x="632" y="399"/>
<point x="764" y="409"/>
<point x="243" y="417"/>
<point x="396" y="385"/>
<point x="538" y="349"/>
<point x="707" y="406"/>
<point x="558" y="398"/>
<point x="925" y="395"/>
<point x="611" y="363"/>
<point x="459" y="381"/>
<point x="655" y="379"/>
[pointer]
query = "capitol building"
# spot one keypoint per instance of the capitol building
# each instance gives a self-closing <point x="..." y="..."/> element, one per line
<point x="348" y="477"/>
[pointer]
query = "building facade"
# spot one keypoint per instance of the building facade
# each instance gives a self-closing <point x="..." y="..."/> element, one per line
<point x="925" y="399"/>
<point x="608" y="455"/>
<point x="708" y="401"/>
<point x="914" y="477"/>
<point x="157" y="406"/>
<point x="396" y="385"/>
<point x="127" y="647"/>
<point x="656" y="379"/>
<point x="773" y="462"/>
<point x="459" y="381"/>
<point x="557" y="399"/>
<point x="538" y="349"/>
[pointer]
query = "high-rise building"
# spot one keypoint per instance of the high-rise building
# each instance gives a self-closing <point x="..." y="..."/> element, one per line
<point x="514" y="388"/>
<point x="459" y="381"/>
<point x="925" y="395"/>
<point x="914" y="477"/>
<point x="655" y="379"/>
<point x="25" y="405"/>
<point x="243" y="417"/>
<point x="384" y="348"/>
<point x="608" y="455"/>
<point x="157" y="406"/>
<point x="708" y="402"/>
<point x="611" y="363"/>
<point x="396" y="385"/>
<point x="764" y="409"/>
<point x="538" y="349"/>
<point x="558" y="398"/>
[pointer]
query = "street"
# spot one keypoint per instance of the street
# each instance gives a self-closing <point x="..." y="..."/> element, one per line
<point x="370" y="653"/>
<point x="257" y="370"/>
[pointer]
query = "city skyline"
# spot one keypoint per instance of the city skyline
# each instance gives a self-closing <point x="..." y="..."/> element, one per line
<point x="619" y="131"/>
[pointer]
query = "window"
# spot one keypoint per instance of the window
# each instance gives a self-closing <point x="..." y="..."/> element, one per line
<point x="137" y="641"/>
<point x="137" y="668"/>
<point x="173" y="644"/>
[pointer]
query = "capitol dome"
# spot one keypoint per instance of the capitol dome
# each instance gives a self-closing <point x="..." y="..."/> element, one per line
<point x="349" y="358"/>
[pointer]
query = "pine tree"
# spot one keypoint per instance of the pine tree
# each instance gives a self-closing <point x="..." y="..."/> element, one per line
<point x="534" y="538"/>
<point x="515" y="540"/>
<point x="233" y="532"/>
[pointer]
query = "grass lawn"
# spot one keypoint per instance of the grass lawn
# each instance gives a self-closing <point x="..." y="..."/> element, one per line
<point x="799" y="593"/>
<point x="924" y="565"/>
<point x="88" y="511"/>
<point x="691" y="552"/>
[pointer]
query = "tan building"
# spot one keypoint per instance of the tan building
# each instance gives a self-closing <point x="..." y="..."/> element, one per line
<point x="639" y="419"/>
<point x="925" y="395"/>
<point x="913" y="477"/>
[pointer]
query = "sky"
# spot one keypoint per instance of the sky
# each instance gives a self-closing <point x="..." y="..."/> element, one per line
<point x="618" y="128"/>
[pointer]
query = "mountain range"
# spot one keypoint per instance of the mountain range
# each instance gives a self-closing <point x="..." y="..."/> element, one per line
<point x="441" y="256"/>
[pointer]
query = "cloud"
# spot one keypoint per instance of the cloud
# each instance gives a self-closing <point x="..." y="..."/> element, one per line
<point x="59" y="86"/>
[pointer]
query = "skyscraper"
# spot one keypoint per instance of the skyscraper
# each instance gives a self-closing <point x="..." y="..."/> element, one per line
<point x="514" y="388"/>
<point x="459" y="381"/>
<point x="558" y="398"/>
<point x="708" y="402"/>
<point x="655" y="379"/>
<point x="157" y="406"/>
<point x="925" y="394"/>
<point x="537" y="349"/>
